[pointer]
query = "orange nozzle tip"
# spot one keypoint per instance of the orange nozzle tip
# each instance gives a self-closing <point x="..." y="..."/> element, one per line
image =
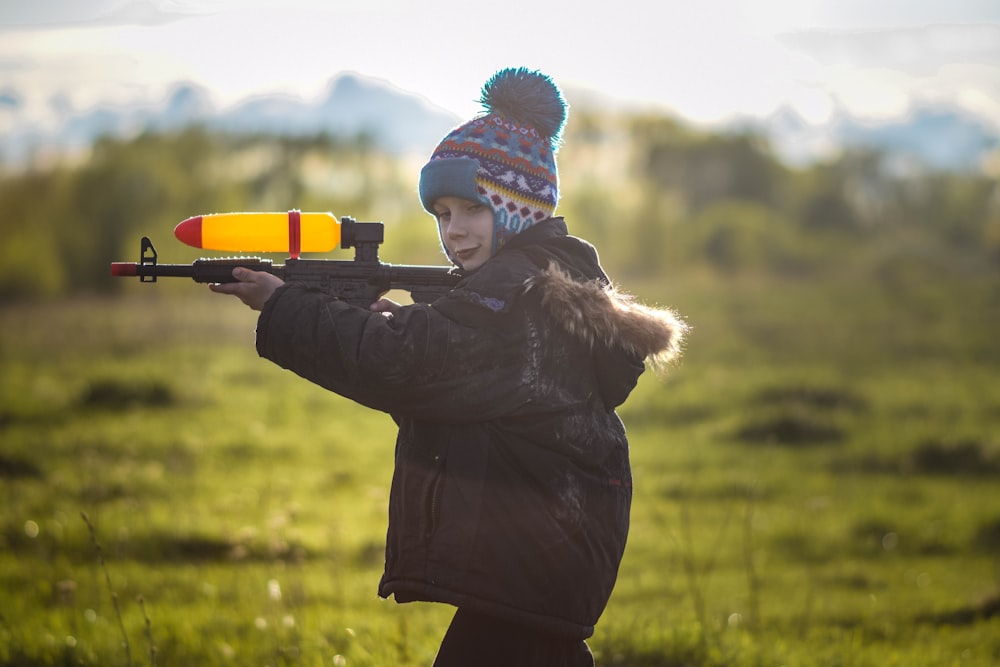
<point x="189" y="231"/>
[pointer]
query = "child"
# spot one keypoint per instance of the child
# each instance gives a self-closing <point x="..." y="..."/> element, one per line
<point x="511" y="491"/>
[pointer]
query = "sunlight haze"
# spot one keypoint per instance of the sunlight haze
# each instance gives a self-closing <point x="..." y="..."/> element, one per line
<point x="707" y="62"/>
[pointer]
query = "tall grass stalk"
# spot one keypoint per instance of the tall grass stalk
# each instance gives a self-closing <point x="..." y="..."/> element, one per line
<point x="149" y="631"/>
<point x="107" y="578"/>
<point x="754" y="621"/>
<point x="698" y="575"/>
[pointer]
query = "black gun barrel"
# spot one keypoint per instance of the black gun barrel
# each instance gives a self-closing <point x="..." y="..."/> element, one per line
<point x="201" y="271"/>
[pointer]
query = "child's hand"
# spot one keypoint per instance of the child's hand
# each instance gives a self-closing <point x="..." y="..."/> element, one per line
<point x="254" y="287"/>
<point x="387" y="307"/>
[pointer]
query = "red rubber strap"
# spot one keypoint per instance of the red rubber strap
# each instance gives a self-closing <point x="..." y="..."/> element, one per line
<point x="294" y="233"/>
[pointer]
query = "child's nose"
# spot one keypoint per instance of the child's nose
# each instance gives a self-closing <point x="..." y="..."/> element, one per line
<point x="457" y="227"/>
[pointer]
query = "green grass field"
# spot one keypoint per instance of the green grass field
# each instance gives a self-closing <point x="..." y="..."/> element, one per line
<point x="816" y="484"/>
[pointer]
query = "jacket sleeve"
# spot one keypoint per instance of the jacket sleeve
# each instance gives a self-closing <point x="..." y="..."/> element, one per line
<point x="419" y="363"/>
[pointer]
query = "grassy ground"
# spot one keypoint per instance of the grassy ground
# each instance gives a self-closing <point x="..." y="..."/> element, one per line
<point x="815" y="485"/>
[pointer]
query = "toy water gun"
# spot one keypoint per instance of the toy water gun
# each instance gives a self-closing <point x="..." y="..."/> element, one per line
<point x="360" y="281"/>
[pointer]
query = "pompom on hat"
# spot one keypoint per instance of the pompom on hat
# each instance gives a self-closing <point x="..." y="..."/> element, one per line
<point x="505" y="157"/>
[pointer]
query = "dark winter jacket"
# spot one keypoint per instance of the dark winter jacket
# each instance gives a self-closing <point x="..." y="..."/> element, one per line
<point x="512" y="485"/>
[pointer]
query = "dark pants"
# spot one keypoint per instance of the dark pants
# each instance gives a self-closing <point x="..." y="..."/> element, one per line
<point x="475" y="640"/>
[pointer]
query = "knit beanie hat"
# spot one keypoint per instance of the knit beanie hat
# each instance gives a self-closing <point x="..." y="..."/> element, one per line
<point x="504" y="157"/>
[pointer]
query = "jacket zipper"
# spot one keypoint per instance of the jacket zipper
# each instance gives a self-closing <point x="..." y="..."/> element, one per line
<point x="433" y="503"/>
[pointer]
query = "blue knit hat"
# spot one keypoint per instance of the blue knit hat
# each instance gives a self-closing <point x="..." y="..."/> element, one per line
<point x="505" y="157"/>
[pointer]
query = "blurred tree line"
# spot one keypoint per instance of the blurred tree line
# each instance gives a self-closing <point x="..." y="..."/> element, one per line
<point x="679" y="199"/>
<point x="657" y="197"/>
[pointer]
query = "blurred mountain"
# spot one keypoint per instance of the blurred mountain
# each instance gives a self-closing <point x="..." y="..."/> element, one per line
<point x="401" y="123"/>
<point x="395" y="121"/>
<point x="938" y="137"/>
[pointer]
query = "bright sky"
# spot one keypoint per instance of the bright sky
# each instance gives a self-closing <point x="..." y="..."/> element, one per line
<point x="706" y="60"/>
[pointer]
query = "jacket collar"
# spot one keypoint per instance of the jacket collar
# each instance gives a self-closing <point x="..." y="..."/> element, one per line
<point x="537" y="233"/>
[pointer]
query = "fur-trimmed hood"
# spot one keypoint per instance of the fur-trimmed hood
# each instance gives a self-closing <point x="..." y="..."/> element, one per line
<point x="600" y="314"/>
<point x="621" y="333"/>
<point x="563" y="274"/>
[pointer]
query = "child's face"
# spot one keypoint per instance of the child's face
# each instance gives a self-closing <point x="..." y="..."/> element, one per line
<point x="466" y="230"/>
